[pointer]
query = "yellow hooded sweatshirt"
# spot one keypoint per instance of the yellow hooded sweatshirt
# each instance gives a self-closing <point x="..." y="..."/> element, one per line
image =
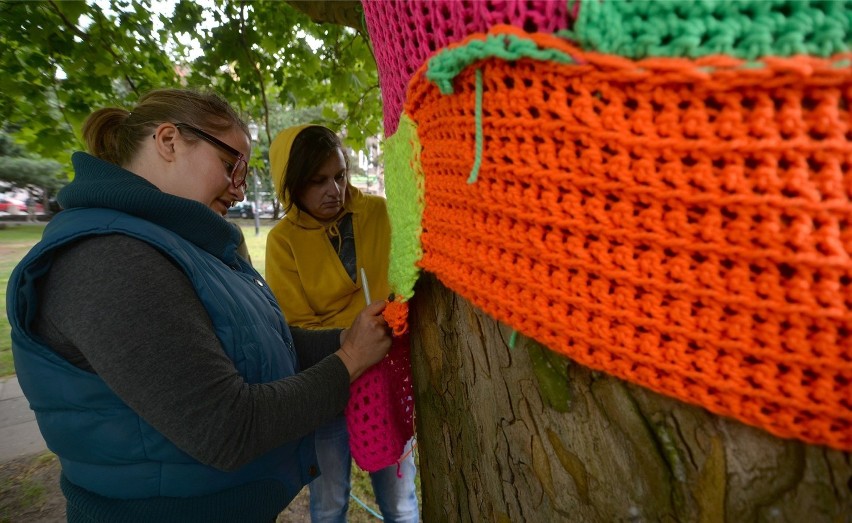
<point x="302" y="265"/>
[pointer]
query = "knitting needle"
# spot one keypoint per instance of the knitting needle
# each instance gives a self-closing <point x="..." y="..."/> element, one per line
<point x="366" y="286"/>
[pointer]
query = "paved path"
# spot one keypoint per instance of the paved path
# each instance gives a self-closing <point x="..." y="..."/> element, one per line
<point x="19" y="435"/>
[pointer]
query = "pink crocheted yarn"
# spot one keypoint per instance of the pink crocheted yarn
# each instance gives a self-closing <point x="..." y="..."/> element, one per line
<point x="380" y="413"/>
<point x="405" y="34"/>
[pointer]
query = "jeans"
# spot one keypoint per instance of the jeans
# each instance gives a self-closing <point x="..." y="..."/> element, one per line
<point x="330" y="491"/>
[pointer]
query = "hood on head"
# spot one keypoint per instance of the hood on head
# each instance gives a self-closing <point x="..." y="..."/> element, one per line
<point x="279" y="155"/>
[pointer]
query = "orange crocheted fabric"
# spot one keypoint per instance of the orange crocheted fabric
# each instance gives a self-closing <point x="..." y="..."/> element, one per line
<point x="682" y="224"/>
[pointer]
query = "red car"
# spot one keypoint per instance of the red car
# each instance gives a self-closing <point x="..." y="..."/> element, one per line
<point x="12" y="206"/>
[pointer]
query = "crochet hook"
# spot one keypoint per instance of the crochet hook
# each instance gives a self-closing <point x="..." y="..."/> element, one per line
<point x="365" y="286"/>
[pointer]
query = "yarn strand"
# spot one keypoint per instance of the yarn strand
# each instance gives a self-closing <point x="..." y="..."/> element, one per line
<point x="477" y="160"/>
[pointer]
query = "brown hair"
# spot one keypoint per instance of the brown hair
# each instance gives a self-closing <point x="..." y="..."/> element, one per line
<point x="311" y="147"/>
<point x="114" y="135"/>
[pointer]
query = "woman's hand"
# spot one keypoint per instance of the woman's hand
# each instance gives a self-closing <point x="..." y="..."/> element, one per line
<point x="366" y="342"/>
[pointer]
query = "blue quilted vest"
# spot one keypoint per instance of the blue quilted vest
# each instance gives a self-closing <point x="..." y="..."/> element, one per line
<point x="103" y="445"/>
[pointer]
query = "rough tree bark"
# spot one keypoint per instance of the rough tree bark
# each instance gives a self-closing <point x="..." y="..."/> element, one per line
<point x="525" y="435"/>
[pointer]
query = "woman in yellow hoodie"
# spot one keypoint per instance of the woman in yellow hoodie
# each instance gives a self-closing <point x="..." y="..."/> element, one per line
<point x="314" y="257"/>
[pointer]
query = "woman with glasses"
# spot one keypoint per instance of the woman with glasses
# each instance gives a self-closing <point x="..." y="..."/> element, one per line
<point x="332" y="235"/>
<point x="158" y="363"/>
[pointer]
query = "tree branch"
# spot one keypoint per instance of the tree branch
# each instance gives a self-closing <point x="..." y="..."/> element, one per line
<point x="68" y="23"/>
<point x="254" y="65"/>
<point x="343" y="12"/>
<point x="85" y="37"/>
<point x="359" y="105"/>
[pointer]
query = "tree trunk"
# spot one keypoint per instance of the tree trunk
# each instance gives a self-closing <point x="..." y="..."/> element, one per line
<point x="525" y="435"/>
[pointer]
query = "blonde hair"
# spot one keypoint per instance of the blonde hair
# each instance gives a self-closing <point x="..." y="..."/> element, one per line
<point x="114" y="134"/>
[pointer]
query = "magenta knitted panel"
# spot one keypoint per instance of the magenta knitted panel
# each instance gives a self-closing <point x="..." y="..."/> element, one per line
<point x="405" y="34"/>
<point x="380" y="412"/>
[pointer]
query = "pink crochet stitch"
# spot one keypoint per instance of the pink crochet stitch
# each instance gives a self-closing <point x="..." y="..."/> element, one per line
<point x="380" y="413"/>
<point x="405" y="34"/>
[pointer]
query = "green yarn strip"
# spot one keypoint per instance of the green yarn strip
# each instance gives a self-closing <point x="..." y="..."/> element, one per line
<point x="477" y="161"/>
<point x="447" y="64"/>
<point x="746" y="29"/>
<point x="405" y="193"/>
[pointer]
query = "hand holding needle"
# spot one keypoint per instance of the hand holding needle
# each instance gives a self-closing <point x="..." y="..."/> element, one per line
<point x="368" y="340"/>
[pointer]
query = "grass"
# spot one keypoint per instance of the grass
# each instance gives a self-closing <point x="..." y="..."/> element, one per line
<point x="15" y="241"/>
<point x="29" y="489"/>
<point x="256" y="243"/>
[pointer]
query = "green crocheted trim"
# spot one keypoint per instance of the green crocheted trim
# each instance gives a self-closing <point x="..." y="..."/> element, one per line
<point x="447" y="64"/>
<point x="746" y="29"/>
<point x="405" y="193"/>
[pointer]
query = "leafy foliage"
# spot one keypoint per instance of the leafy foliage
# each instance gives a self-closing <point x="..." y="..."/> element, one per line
<point x="25" y="172"/>
<point x="17" y="170"/>
<point x="62" y="60"/>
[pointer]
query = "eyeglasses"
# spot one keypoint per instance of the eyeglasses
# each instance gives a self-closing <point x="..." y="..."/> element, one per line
<point x="240" y="169"/>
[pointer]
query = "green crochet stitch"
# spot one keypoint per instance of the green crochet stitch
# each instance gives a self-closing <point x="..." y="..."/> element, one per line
<point x="447" y="64"/>
<point x="746" y="29"/>
<point x="405" y="193"/>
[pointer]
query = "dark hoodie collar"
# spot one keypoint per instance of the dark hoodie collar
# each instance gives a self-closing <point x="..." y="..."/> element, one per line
<point x="101" y="184"/>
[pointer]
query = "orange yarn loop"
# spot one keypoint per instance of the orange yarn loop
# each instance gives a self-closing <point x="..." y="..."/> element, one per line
<point x="396" y="314"/>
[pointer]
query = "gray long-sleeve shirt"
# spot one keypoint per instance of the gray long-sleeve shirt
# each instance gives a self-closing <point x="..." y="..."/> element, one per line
<point x="115" y="306"/>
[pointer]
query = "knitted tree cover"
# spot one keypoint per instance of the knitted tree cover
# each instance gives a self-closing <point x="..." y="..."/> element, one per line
<point x="747" y="29"/>
<point x="402" y="158"/>
<point x="404" y="34"/>
<point x="380" y="412"/>
<point x="682" y="224"/>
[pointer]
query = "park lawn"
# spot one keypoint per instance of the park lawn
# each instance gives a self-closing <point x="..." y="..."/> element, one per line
<point x="15" y="241"/>
<point x="256" y="243"/>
